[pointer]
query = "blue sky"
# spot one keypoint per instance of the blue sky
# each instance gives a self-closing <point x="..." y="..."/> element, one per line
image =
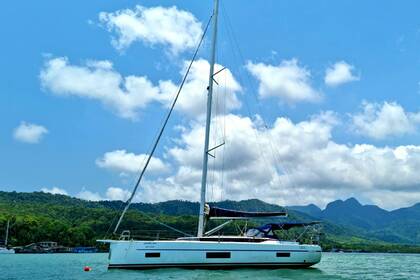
<point x="63" y="132"/>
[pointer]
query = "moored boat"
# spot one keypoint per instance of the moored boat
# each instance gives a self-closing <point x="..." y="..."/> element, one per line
<point x="257" y="247"/>
<point x="208" y="252"/>
<point x="4" y="249"/>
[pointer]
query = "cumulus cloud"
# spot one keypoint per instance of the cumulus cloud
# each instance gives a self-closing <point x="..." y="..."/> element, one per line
<point x="340" y="73"/>
<point x="171" y="27"/>
<point x="288" y="81"/>
<point x="126" y="96"/>
<point x="379" y="121"/>
<point x="54" y="190"/>
<point x="122" y="161"/>
<point x="89" y="195"/>
<point x="193" y="97"/>
<point x="98" y="80"/>
<point x="29" y="133"/>
<point x="289" y="163"/>
<point x="113" y="193"/>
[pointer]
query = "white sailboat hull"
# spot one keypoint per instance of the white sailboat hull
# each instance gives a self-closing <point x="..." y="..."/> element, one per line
<point x="6" y="251"/>
<point x="210" y="254"/>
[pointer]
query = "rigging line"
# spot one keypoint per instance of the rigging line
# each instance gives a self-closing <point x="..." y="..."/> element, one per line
<point x="220" y="112"/>
<point x="165" y="225"/>
<point x="275" y="153"/>
<point x="113" y="219"/>
<point x="223" y="137"/>
<point x="212" y="181"/>
<point x="128" y="202"/>
<point x="259" y="146"/>
<point x="217" y="109"/>
<point x="224" y="141"/>
<point x="121" y="206"/>
<point x="304" y="231"/>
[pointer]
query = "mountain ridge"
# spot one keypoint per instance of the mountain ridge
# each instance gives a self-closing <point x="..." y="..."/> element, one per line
<point x="341" y="218"/>
<point x="401" y="225"/>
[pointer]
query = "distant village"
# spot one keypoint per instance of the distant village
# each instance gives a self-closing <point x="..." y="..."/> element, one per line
<point x="50" y="247"/>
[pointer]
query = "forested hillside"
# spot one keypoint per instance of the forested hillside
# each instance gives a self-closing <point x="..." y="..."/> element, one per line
<point x="41" y="216"/>
<point x="398" y="226"/>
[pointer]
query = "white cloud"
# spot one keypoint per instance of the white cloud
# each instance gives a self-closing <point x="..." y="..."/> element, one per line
<point x="394" y="199"/>
<point x="340" y="73"/>
<point x="177" y="29"/>
<point x="122" y="161"/>
<point x="88" y="195"/>
<point x="54" y="190"/>
<point x="113" y="193"/>
<point x="98" y="80"/>
<point x="379" y="121"/>
<point x="193" y="97"/>
<point x="289" y="163"/>
<point x="29" y="133"/>
<point x="287" y="81"/>
<point x="126" y="96"/>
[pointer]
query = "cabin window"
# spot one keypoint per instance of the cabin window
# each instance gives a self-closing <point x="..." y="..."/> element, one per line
<point x="283" y="254"/>
<point x="218" y="255"/>
<point x="152" y="255"/>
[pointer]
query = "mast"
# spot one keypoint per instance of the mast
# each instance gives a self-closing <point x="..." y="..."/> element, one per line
<point x="201" y="217"/>
<point x="7" y="233"/>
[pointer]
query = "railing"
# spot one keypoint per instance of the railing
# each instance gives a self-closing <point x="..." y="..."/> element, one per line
<point x="151" y="235"/>
<point x="310" y="235"/>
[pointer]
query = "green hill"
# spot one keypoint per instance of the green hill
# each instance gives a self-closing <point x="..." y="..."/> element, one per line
<point x="41" y="216"/>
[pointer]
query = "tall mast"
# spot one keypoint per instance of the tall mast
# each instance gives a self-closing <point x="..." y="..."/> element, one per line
<point x="201" y="217"/>
<point x="7" y="233"/>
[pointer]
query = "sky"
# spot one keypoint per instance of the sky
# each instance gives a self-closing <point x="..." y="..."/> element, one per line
<point x="318" y="100"/>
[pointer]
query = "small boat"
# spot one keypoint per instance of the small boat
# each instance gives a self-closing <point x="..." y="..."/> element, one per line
<point x="257" y="248"/>
<point x="4" y="249"/>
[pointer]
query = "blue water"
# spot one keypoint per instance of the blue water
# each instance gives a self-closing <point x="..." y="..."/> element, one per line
<point x="332" y="266"/>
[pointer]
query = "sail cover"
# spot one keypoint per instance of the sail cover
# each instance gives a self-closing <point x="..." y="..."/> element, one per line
<point x="221" y="213"/>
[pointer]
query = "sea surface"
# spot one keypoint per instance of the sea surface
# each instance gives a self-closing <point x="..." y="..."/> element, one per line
<point x="332" y="266"/>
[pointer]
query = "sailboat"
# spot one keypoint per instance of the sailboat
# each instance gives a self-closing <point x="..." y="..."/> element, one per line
<point x="4" y="249"/>
<point x="258" y="247"/>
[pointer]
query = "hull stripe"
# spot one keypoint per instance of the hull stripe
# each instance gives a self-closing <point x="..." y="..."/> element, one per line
<point x="210" y="265"/>
<point x="233" y="250"/>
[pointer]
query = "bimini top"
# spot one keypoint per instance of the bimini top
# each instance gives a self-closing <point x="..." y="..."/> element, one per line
<point x="221" y="213"/>
<point x="285" y="225"/>
<point x="267" y="230"/>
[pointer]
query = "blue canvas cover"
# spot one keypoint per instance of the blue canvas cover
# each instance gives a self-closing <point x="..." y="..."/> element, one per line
<point x="268" y="229"/>
<point x="217" y="212"/>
